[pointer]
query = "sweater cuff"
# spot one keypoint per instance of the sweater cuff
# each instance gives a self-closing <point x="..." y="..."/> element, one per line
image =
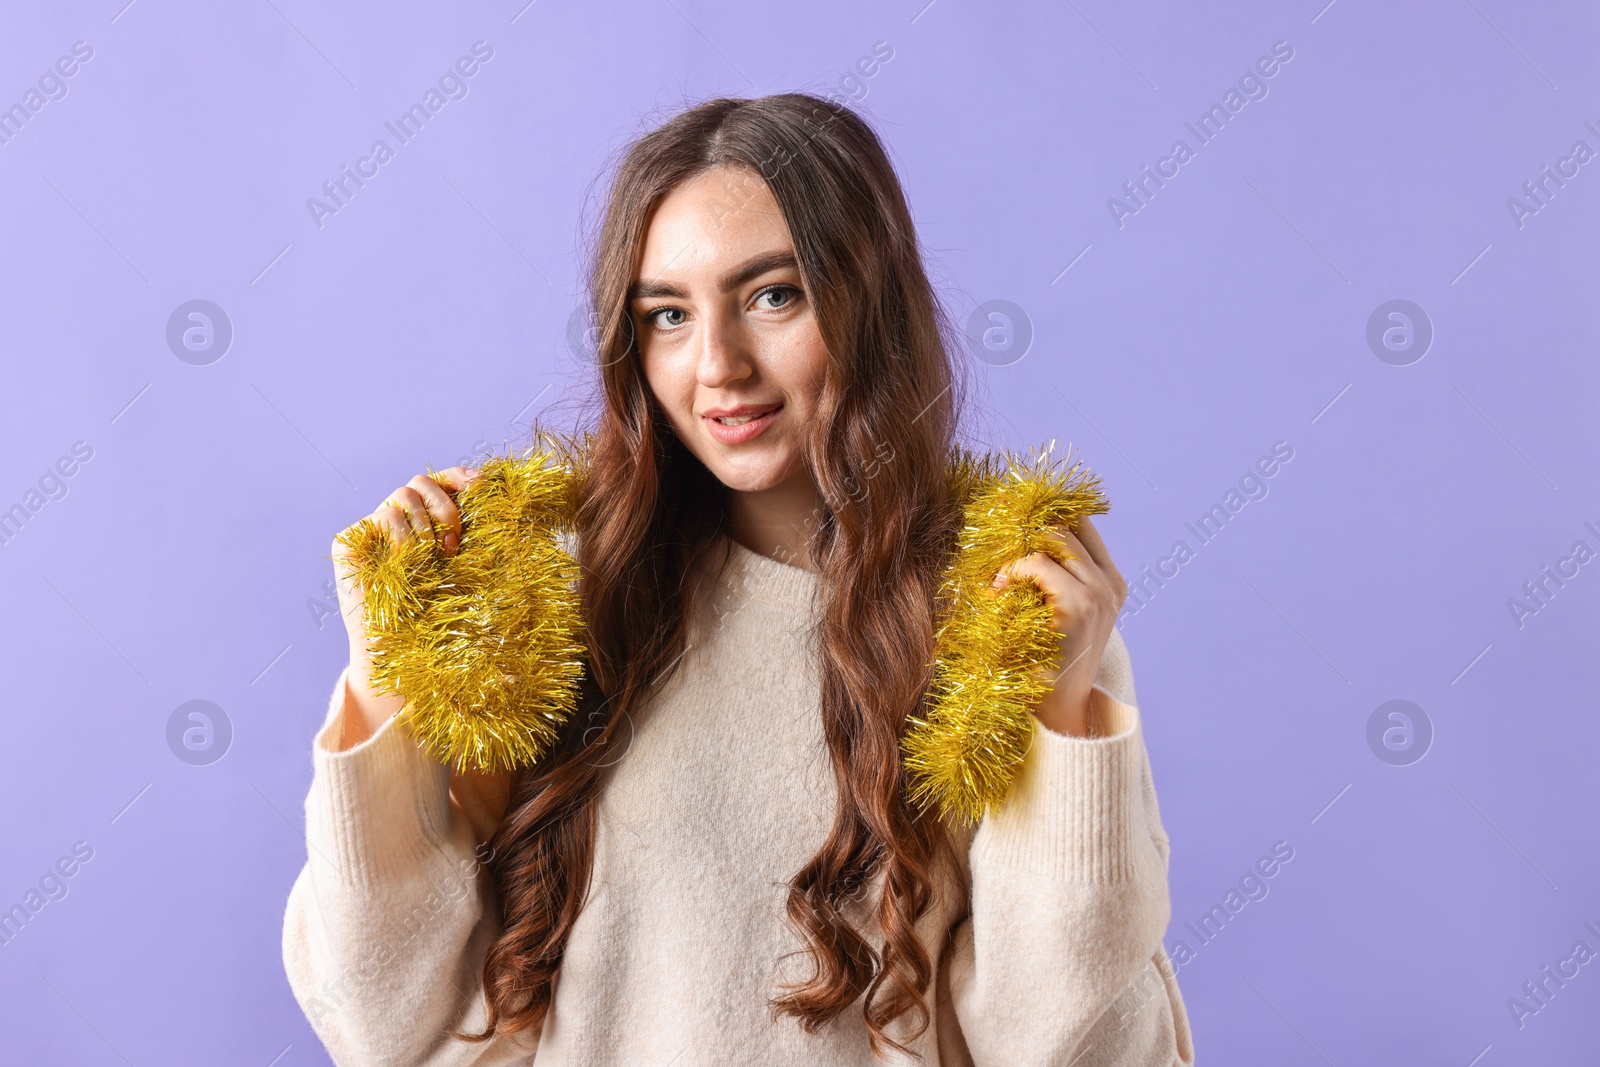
<point x="377" y="808"/>
<point x="1074" y="813"/>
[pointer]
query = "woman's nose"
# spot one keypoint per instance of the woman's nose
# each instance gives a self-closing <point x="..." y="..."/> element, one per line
<point x="722" y="353"/>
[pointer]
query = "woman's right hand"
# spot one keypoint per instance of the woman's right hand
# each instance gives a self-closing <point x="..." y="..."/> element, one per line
<point x="420" y="508"/>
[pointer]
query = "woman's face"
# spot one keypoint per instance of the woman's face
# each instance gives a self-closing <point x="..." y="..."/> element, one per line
<point x="727" y="334"/>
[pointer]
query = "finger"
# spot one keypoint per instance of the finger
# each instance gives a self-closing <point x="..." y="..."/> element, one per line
<point x="441" y="509"/>
<point x="456" y="479"/>
<point x="1068" y="541"/>
<point x="392" y="519"/>
<point x="415" y="510"/>
<point x="1087" y="536"/>
<point x="1090" y="538"/>
<point x="1062" y="589"/>
<point x="1071" y="554"/>
<point x="1049" y="575"/>
<point x="392" y="522"/>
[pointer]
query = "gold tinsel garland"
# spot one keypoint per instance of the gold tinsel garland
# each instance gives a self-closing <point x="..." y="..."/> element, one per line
<point x="487" y="645"/>
<point x="995" y="653"/>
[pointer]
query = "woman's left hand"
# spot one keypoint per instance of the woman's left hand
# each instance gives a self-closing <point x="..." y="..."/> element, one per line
<point x="1086" y="593"/>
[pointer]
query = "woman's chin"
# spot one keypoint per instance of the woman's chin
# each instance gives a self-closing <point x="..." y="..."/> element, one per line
<point x="753" y="474"/>
<point x="744" y="483"/>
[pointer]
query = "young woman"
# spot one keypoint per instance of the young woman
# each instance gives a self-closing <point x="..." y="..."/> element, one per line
<point x="718" y="863"/>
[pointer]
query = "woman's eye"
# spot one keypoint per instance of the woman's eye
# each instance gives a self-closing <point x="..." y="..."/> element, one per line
<point x="656" y="317"/>
<point x="784" y="296"/>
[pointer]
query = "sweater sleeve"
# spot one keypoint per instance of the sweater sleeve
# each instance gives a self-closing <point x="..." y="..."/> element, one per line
<point x="388" y="923"/>
<point x="1060" y="959"/>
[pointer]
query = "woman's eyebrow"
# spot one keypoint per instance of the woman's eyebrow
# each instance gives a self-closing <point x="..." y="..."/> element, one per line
<point x="751" y="268"/>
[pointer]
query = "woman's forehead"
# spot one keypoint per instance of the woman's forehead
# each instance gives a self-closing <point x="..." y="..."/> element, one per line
<point x="710" y="223"/>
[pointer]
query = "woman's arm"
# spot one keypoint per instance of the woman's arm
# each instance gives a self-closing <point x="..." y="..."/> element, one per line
<point x="387" y="926"/>
<point x="1060" y="960"/>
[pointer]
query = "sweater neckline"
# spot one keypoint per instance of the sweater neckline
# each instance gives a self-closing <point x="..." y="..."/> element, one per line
<point x="768" y="580"/>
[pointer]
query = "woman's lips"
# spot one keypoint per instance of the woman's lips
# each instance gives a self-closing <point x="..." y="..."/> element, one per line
<point x="745" y="431"/>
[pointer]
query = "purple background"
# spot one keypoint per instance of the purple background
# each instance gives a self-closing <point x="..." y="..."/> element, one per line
<point x="187" y="558"/>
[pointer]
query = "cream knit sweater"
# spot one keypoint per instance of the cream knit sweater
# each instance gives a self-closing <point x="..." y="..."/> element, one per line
<point x="1047" y="942"/>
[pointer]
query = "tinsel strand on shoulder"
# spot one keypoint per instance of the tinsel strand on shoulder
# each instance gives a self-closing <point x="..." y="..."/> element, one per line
<point x="487" y="645"/>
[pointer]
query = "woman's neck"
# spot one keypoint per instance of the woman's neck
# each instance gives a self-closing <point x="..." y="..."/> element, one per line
<point x="777" y="522"/>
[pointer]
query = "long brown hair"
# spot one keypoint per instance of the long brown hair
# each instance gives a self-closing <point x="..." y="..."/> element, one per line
<point x="877" y="452"/>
